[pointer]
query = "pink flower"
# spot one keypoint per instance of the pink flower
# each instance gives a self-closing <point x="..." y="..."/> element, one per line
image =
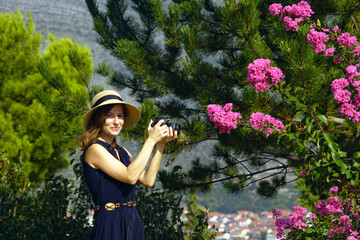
<point x="303" y="173"/>
<point x="259" y="121"/>
<point x="337" y="60"/>
<point x="275" y="8"/>
<point x="277" y="213"/>
<point x="346" y="40"/>
<point x="329" y="52"/>
<point x="292" y="15"/>
<point x="344" y="219"/>
<point x="339" y="84"/>
<point x="297" y="218"/>
<point x="330" y="235"/>
<point x="351" y="72"/>
<point x="317" y="40"/>
<point x="356" y="51"/>
<point x="291" y="24"/>
<point x="336" y="28"/>
<point x="281" y="225"/>
<point x="348" y="110"/>
<point x="342" y="96"/>
<point x="333" y="190"/>
<point x="223" y="118"/>
<point x="262" y="76"/>
<point x="357" y="101"/>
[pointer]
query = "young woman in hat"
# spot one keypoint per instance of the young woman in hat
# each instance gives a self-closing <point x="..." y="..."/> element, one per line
<point x="111" y="172"/>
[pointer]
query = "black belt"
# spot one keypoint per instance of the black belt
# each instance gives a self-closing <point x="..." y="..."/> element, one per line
<point x="111" y="206"/>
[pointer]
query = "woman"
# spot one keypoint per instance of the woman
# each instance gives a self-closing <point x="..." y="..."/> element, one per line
<point x="111" y="172"/>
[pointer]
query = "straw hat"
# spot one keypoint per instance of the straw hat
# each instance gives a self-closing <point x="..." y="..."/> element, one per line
<point x="111" y="97"/>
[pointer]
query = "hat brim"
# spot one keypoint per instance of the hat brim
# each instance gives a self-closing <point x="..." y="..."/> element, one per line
<point x="133" y="114"/>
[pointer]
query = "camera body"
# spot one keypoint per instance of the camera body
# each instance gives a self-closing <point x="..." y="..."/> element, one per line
<point x="175" y="126"/>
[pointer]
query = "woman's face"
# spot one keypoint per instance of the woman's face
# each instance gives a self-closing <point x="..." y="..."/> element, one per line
<point x="113" y="123"/>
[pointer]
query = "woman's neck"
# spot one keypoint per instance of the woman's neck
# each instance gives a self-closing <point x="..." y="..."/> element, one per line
<point x="106" y="139"/>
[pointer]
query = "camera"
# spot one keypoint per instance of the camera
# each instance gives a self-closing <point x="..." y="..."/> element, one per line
<point x="175" y="126"/>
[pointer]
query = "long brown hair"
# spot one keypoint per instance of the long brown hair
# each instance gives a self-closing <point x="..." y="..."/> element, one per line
<point x="94" y="127"/>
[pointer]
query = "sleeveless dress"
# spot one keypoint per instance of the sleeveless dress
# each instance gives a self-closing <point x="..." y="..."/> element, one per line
<point x="122" y="223"/>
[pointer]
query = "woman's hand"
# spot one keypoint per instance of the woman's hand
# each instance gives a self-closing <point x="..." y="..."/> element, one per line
<point x="170" y="137"/>
<point x="158" y="132"/>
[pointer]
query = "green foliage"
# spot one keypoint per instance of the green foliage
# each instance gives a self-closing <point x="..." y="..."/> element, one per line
<point x="51" y="210"/>
<point x="28" y="127"/>
<point x="160" y="212"/>
<point x="188" y="54"/>
<point x="196" y="226"/>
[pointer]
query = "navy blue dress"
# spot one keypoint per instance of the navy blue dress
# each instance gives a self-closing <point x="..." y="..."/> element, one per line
<point x="113" y="225"/>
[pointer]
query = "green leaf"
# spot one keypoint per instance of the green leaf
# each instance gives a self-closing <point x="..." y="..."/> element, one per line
<point x="322" y="118"/>
<point x="336" y="157"/>
<point x="310" y="128"/>
<point x="342" y="154"/>
<point x="299" y="113"/>
<point x="348" y="174"/>
<point x="328" y="137"/>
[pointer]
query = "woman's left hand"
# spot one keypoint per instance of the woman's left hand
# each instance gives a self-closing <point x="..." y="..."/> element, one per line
<point x="172" y="135"/>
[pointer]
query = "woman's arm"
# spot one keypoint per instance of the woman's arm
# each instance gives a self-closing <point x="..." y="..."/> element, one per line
<point x="148" y="176"/>
<point x="98" y="157"/>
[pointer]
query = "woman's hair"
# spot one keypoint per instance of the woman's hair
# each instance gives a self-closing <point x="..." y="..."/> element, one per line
<point x="96" y="122"/>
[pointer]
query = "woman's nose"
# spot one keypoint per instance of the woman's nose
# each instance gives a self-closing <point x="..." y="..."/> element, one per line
<point x="117" y="119"/>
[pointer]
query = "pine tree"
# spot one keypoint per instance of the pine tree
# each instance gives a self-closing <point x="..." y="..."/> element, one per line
<point x="196" y="223"/>
<point x="186" y="55"/>
<point x="29" y="131"/>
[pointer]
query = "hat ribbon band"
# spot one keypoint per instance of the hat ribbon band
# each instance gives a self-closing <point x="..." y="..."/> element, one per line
<point x="105" y="98"/>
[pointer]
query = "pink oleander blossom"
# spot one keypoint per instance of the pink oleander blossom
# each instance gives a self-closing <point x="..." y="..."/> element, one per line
<point x="317" y="40"/>
<point x="348" y="110"/>
<point x="336" y="28"/>
<point x="337" y="60"/>
<point x="342" y="96"/>
<point x="262" y="76"/>
<point x="356" y="51"/>
<point x="339" y="218"/>
<point x="346" y="40"/>
<point x="340" y="83"/>
<point x="351" y="72"/>
<point x="333" y="190"/>
<point x="329" y="52"/>
<point x="277" y="213"/>
<point x="292" y="15"/>
<point x="223" y="117"/>
<point x="260" y="122"/>
<point x="275" y="8"/>
<point x="297" y="218"/>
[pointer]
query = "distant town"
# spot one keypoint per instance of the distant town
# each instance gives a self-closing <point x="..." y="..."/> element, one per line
<point x="244" y="225"/>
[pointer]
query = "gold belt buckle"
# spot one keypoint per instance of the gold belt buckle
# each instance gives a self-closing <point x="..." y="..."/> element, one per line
<point x="109" y="206"/>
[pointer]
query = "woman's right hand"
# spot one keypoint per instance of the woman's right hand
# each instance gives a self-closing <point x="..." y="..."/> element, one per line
<point x="158" y="132"/>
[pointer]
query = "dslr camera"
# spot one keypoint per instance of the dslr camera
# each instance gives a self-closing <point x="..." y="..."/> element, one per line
<point x="175" y="126"/>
